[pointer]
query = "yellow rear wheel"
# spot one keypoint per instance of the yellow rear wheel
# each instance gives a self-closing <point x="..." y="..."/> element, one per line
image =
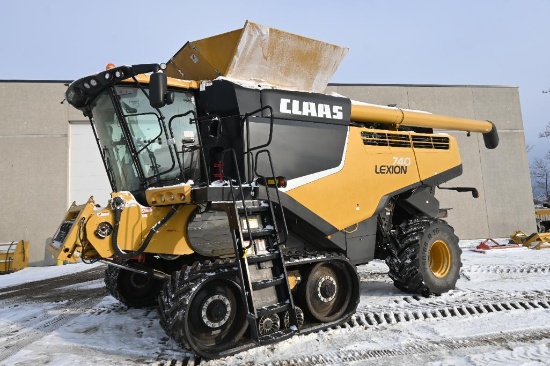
<point x="440" y="258"/>
<point x="425" y="257"/>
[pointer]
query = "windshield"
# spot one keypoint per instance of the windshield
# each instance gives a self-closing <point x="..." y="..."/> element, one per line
<point x="158" y="156"/>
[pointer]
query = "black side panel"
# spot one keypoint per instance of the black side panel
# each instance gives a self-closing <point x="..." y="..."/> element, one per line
<point x="358" y="242"/>
<point x="422" y="199"/>
<point x="218" y="98"/>
<point x="361" y="241"/>
<point x="224" y="98"/>
<point x="299" y="148"/>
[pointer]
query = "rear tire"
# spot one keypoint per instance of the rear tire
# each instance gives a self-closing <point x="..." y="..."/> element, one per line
<point x="424" y="257"/>
<point x="131" y="288"/>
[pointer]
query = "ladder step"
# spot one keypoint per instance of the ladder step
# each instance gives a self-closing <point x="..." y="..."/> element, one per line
<point x="277" y="336"/>
<point x="267" y="283"/>
<point x="262" y="258"/>
<point x="258" y="234"/>
<point x="273" y="309"/>
<point x="253" y="209"/>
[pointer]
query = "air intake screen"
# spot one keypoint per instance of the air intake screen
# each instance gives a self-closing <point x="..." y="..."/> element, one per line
<point x="405" y="140"/>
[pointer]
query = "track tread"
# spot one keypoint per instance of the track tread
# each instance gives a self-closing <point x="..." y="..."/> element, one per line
<point x="115" y="288"/>
<point x="176" y="294"/>
<point x="179" y="290"/>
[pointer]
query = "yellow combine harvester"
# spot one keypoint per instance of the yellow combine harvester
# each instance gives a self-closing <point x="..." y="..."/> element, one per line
<point x="14" y="256"/>
<point x="244" y="197"/>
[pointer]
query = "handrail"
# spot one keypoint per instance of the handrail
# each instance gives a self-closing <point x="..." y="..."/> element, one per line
<point x="171" y="130"/>
<point x="285" y="227"/>
<point x="248" y="152"/>
<point x="239" y="182"/>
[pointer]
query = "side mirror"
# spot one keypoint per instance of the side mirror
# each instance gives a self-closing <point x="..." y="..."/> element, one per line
<point x="158" y="88"/>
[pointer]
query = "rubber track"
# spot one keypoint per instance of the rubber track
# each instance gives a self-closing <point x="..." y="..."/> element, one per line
<point x="420" y="310"/>
<point x="181" y="287"/>
<point x="191" y="276"/>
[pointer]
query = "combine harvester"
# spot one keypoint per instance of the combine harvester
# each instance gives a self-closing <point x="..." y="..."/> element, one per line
<point x="244" y="197"/>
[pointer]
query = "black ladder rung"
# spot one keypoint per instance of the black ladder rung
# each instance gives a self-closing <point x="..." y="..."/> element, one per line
<point x="273" y="309"/>
<point x="258" y="285"/>
<point x="258" y="234"/>
<point x="277" y="336"/>
<point x="262" y="257"/>
<point x="253" y="210"/>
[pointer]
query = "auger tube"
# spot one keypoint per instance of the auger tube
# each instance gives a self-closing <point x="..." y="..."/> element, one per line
<point x="363" y="112"/>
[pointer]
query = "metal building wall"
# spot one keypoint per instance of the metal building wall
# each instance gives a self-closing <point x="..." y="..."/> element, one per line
<point x="501" y="175"/>
<point x="34" y="151"/>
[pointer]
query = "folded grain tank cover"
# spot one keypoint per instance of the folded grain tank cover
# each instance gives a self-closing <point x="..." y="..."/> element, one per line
<point x="259" y="54"/>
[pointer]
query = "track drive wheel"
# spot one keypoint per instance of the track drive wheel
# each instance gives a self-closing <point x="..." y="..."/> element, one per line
<point x="131" y="288"/>
<point x="299" y="317"/>
<point x="325" y="294"/>
<point x="425" y="257"/>
<point x="204" y="311"/>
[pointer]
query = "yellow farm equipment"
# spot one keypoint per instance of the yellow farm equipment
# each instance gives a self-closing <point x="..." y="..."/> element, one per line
<point x="14" y="256"/>
<point x="533" y="241"/>
<point x="243" y="197"/>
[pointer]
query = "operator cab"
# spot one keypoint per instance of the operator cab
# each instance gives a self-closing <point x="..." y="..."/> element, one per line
<point x="145" y="129"/>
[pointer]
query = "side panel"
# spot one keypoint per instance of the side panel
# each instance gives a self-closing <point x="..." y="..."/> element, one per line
<point x="436" y="156"/>
<point x="299" y="148"/>
<point x="135" y="223"/>
<point x="172" y="237"/>
<point x="375" y="165"/>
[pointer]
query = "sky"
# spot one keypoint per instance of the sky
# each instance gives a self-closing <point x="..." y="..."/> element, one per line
<point x="467" y="42"/>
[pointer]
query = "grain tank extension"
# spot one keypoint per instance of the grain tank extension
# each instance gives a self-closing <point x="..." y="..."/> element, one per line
<point x="244" y="197"/>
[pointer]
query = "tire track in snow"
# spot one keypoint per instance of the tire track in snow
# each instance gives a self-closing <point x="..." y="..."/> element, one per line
<point x="422" y="347"/>
<point x="424" y="312"/>
<point x="42" y="288"/>
<point x="514" y="268"/>
<point x="397" y="309"/>
<point x="63" y="306"/>
<point x="375" y="276"/>
<point x="522" y="354"/>
<point x="31" y="329"/>
<point x="421" y="309"/>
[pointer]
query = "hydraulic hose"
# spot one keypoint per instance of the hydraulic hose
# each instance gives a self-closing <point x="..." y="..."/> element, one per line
<point x="118" y="204"/>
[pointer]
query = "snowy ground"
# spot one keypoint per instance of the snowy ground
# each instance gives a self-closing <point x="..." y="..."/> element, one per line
<point x="499" y="314"/>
